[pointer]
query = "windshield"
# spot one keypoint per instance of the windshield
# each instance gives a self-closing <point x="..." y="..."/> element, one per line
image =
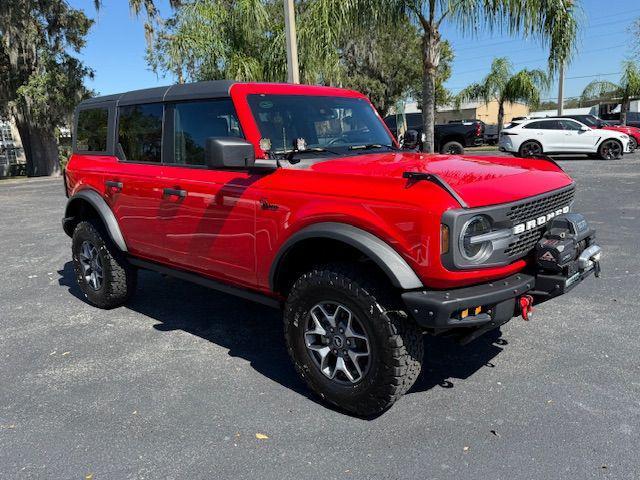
<point x="589" y="120"/>
<point x="323" y="122"/>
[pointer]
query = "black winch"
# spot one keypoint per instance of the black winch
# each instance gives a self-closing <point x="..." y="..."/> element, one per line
<point x="565" y="254"/>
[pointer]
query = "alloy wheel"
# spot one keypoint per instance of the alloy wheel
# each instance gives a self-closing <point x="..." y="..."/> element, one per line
<point x="531" y="149"/>
<point x="337" y="343"/>
<point x="91" y="264"/>
<point x="454" y="150"/>
<point x="611" y="150"/>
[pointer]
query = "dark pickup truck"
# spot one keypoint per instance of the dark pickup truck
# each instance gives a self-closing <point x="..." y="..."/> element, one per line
<point x="450" y="138"/>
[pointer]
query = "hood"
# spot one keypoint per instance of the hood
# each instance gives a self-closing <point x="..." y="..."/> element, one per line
<point x="479" y="181"/>
<point x="615" y="132"/>
<point x="621" y="128"/>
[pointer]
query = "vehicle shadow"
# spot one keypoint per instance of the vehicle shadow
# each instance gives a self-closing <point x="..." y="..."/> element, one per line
<point x="254" y="332"/>
<point x="446" y="361"/>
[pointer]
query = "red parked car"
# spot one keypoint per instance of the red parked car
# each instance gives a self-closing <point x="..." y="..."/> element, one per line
<point x="298" y="197"/>
<point x="596" y="122"/>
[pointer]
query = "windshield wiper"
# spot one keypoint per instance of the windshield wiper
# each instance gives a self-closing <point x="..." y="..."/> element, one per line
<point x="289" y="154"/>
<point x="369" y="146"/>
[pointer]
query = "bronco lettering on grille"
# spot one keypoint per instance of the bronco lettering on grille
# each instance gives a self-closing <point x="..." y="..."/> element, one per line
<point x="536" y="222"/>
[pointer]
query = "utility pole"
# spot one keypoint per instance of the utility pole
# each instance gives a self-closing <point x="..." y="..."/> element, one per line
<point x="293" y="72"/>
<point x="561" y="90"/>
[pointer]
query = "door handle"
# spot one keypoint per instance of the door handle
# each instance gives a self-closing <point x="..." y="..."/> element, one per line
<point x="113" y="184"/>
<point x="174" y="192"/>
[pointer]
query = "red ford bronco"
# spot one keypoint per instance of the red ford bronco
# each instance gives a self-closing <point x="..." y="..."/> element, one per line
<point x="299" y="197"/>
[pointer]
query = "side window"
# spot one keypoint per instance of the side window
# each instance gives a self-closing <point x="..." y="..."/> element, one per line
<point x="569" y="125"/>
<point x="414" y="121"/>
<point x="194" y="122"/>
<point x="544" y="125"/>
<point x="391" y="122"/>
<point x="91" y="134"/>
<point x="140" y="133"/>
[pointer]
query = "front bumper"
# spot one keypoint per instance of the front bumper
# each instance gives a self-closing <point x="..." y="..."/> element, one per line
<point x="495" y="302"/>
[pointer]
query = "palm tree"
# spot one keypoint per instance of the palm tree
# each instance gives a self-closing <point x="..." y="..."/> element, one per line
<point x="626" y="90"/>
<point x="504" y="86"/>
<point x="553" y="22"/>
<point x="150" y="10"/>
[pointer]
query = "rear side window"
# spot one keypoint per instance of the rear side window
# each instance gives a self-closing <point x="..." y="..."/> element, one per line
<point x="91" y="134"/>
<point x="544" y="125"/>
<point x="414" y="121"/>
<point x="140" y="133"/>
<point x="391" y="122"/>
<point x="194" y="122"/>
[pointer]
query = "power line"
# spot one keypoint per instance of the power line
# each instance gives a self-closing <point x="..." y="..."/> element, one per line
<point x="521" y="49"/>
<point x="596" y="75"/>
<point x="595" y="25"/>
<point x="545" y="58"/>
<point x="566" y="78"/>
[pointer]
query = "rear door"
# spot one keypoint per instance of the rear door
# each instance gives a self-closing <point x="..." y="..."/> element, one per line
<point x="207" y="216"/>
<point x="131" y="185"/>
<point x="548" y="133"/>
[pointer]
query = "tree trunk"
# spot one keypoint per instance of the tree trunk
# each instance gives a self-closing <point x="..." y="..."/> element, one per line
<point x="625" y="106"/>
<point x="500" y="115"/>
<point x="40" y="148"/>
<point x="430" y="62"/>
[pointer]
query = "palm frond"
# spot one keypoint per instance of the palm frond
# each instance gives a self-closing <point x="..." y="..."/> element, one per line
<point x="630" y="81"/>
<point x="601" y="89"/>
<point x="524" y="87"/>
<point x="552" y="22"/>
<point x="473" y="92"/>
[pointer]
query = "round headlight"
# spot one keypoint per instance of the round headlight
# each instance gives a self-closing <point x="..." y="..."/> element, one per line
<point x="473" y="250"/>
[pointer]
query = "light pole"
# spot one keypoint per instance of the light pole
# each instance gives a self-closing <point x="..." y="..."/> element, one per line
<point x="293" y="72"/>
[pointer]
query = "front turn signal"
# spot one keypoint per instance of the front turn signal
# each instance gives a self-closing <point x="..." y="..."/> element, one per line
<point x="444" y="239"/>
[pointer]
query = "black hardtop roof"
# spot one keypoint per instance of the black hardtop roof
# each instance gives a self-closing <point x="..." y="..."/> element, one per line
<point x="185" y="91"/>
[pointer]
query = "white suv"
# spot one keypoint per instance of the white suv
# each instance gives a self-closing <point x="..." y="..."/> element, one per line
<point x="528" y="138"/>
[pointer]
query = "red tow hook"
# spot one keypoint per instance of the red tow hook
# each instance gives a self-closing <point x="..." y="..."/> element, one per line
<point x="526" y="306"/>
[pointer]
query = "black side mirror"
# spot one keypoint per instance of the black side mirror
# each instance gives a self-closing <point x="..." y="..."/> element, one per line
<point x="410" y="139"/>
<point x="229" y="152"/>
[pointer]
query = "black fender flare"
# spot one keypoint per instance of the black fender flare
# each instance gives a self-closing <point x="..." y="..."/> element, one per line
<point x="381" y="253"/>
<point x="106" y="215"/>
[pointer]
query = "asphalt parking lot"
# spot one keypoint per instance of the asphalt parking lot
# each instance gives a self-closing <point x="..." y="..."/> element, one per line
<point x="183" y="381"/>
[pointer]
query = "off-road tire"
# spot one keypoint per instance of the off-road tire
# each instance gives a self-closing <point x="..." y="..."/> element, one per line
<point x="396" y="341"/>
<point x="452" y="148"/>
<point x="119" y="277"/>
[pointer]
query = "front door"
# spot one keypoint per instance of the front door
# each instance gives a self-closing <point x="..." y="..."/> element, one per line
<point x="554" y="136"/>
<point x="576" y="139"/>
<point x="207" y="216"/>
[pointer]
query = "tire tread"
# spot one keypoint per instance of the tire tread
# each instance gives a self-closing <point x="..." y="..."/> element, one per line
<point x="403" y="346"/>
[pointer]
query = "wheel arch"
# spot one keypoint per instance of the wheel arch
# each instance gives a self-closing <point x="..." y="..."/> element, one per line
<point x="336" y="239"/>
<point x="451" y="137"/>
<point x="89" y="204"/>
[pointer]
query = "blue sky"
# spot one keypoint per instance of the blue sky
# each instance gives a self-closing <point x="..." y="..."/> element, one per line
<point x="116" y="48"/>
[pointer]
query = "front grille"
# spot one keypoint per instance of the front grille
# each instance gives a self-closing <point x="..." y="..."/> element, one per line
<point x="529" y="211"/>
